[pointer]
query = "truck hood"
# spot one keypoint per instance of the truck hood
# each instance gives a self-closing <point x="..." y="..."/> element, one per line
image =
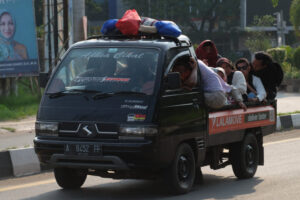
<point x="79" y="108"/>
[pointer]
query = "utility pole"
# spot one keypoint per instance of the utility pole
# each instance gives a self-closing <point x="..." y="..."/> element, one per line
<point x="78" y="13"/>
<point x="281" y="28"/>
<point x="55" y="31"/>
<point x="49" y="36"/>
<point x="66" y="24"/>
<point x="243" y="13"/>
<point x="149" y="8"/>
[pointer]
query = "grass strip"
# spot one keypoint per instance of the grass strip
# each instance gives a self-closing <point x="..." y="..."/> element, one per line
<point x="288" y="113"/>
<point x="18" y="107"/>
<point x="9" y="129"/>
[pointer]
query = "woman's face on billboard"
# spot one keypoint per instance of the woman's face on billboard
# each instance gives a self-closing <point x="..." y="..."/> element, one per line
<point x="7" y="26"/>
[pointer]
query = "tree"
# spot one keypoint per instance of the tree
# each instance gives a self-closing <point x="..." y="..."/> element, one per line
<point x="260" y="40"/>
<point x="295" y="16"/>
<point x="275" y="3"/>
<point x="210" y="14"/>
<point x="96" y="11"/>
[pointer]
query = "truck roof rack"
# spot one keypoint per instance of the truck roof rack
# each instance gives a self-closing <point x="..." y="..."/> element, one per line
<point x="178" y="40"/>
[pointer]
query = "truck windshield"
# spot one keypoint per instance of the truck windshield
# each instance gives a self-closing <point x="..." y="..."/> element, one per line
<point x="106" y="70"/>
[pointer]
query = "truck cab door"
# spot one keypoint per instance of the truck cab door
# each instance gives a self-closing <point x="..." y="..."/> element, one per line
<point x="182" y="114"/>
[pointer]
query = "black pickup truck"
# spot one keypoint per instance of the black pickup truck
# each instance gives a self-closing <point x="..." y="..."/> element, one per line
<point x="114" y="108"/>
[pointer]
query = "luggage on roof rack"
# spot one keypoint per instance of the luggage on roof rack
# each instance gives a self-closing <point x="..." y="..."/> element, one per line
<point x="132" y="24"/>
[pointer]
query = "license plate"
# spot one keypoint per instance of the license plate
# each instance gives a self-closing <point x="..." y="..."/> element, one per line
<point x="83" y="149"/>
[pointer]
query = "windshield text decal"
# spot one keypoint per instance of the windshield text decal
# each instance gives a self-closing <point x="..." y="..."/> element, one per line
<point x="128" y="55"/>
<point x="134" y="107"/>
<point x="100" y="79"/>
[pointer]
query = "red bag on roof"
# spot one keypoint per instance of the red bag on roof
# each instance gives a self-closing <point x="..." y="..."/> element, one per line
<point x="130" y="22"/>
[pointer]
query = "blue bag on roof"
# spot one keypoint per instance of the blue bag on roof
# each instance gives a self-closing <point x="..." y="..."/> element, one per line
<point x="109" y="26"/>
<point x="167" y="28"/>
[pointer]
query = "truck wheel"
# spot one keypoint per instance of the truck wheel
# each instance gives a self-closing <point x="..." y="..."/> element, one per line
<point x="244" y="157"/>
<point x="69" y="178"/>
<point x="198" y="176"/>
<point x="181" y="174"/>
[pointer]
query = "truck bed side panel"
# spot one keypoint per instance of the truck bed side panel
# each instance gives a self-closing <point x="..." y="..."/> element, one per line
<point x="229" y="125"/>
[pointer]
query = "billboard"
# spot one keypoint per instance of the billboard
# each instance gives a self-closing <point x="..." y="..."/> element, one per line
<point x="18" y="43"/>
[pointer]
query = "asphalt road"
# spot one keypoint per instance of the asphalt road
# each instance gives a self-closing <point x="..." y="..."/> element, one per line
<point x="278" y="179"/>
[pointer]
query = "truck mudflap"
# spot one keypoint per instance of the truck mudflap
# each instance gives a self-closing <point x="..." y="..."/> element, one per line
<point x="93" y="162"/>
<point x="234" y="120"/>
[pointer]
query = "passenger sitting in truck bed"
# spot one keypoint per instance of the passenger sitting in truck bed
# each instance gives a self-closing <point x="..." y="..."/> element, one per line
<point x="255" y="89"/>
<point x="269" y="72"/>
<point x="208" y="53"/>
<point x="214" y="87"/>
<point x="235" y="78"/>
<point x="221" y="72"/>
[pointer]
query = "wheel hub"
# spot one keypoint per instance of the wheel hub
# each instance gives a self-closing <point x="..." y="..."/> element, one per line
<point x="249" y="155"/>
<point x="183" y="168"/>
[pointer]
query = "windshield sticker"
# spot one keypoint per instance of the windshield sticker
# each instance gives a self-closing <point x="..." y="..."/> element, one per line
<point x="128" y="55"/>
<point x="117" y="79"/>
<point x="112" y="50"/>
<point x="88" y="54"/>
<point x="134" y="107"/>
<point x="136" y="117"/>
<point x="99" y="79"/>
<point x="88" y="79"/>
<point x="111" y="53"/>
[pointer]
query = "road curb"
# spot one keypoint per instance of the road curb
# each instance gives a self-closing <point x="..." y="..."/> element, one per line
<point x="22" y="162"/>
<point x="287" y="122"/>
<point x="5" y="164"/>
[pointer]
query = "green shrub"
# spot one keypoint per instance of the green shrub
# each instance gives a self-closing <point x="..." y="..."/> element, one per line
<point x="289" y="54"/>
<point x="278" y="54"/>
<point x="290" y="72"/>
<point x="286" y="67"/>
<point x="297" y="58"/>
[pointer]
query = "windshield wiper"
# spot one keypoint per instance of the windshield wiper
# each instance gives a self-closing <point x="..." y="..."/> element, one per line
<point x="72" y="91"/>
<point x="109" y="94"/>
<point x="84" y="91"/>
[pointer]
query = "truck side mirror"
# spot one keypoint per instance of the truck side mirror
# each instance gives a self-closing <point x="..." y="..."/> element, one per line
<point x="43" y="79"/>
<point x="173" y="81"/>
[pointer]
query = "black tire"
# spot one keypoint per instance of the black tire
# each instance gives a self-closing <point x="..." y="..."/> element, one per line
<point x="198" y="176"/>
<point x="181" y="174"/>
<point x="244" y="157"/>
<point x="70" y="178"/>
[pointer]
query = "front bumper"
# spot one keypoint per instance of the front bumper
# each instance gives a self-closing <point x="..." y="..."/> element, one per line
<point x="116" y="154"/>
<point x="95" y="162"/>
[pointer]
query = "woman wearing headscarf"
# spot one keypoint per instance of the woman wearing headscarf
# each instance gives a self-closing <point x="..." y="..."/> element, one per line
<point x="10" y="49"/>
<point x="208" y="53"/>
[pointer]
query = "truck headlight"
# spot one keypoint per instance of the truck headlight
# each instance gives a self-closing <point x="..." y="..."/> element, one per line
<point x="138" y="131"/>
<point x="46" y="128"/>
